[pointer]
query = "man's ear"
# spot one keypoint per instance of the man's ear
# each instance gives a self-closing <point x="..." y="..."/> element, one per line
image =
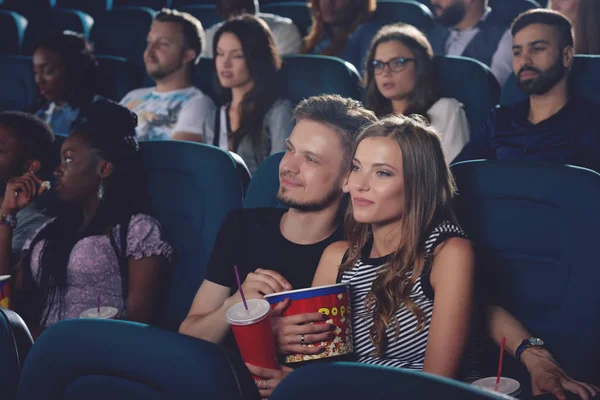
<point x="189" y="55"/>
<point x="568" y="56"/>
<point x="32" y="166"/>
<point x="105" y="169"/>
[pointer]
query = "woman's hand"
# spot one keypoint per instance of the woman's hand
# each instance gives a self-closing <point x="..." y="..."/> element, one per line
<point x="269" y="378"/>
<point x="20" y="192"/>
<point x="293" y="333"/>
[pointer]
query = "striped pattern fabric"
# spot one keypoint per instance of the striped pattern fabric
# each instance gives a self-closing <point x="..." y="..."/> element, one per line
<point x="408" y="349"/>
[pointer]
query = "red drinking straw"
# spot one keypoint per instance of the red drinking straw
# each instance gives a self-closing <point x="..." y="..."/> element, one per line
<point x="98" y="303"/>
<point x="502" y="344"/>
<point x="237" y="277"/>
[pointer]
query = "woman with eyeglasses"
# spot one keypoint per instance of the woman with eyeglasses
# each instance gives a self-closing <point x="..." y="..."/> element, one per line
<point x="401" y="78"/>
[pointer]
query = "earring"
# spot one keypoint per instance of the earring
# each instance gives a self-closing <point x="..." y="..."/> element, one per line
<point x="100" y="191"/>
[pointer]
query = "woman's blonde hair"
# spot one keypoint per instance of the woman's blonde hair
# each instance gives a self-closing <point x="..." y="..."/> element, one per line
<point x="428" y="191"/>
<point x="364" y="10"/>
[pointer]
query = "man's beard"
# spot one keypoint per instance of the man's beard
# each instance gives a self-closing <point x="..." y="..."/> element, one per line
<point x="544" y="81"/>
<point x="161" y="73"/>
<point x="309" y="206"/>
<point x="452" y="15"/>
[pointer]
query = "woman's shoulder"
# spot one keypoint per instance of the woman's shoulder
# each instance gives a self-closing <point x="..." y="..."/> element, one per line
<point x="445" y="105"/>
<point x="336" y="250"/>
<point x="447" y="233"/>
<point x="281" y="105"/>
<point x="144" y="221"/>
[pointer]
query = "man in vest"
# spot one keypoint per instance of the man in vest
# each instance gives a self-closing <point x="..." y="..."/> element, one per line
<point x="467" y="28"/>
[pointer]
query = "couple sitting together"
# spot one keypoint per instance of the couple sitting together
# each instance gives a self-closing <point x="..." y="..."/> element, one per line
<point x="409" y="268"/>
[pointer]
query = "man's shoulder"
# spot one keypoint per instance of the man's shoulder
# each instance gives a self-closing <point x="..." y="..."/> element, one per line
<point x="250" y="218"/>
<point x="138" y="93"/>
<point x="274" y="20"/>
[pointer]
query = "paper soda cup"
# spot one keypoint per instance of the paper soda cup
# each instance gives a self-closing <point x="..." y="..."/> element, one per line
<point x="331" y="300"/>
<point x="105" y="313"/>
<point x="253" y="333"/>
<point x="506" y="386"/>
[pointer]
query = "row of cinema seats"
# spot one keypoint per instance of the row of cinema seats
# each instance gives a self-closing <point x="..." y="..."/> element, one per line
<point x="98" y="360"/>
<point x="302" y="76"/>
<point x="21" y="32"/>
<point x="534" y="226"/>
<point x="305" y="75"/>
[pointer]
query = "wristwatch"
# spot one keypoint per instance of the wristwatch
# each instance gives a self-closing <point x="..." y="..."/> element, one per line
<point x="531" y="342"/>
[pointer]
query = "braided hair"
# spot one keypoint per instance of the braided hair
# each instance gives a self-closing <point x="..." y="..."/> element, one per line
<point x="110" y="130"/>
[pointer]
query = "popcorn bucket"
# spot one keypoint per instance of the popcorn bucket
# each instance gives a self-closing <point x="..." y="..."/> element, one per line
<point x="5" y="291"/>
<point x="333" y="301"/>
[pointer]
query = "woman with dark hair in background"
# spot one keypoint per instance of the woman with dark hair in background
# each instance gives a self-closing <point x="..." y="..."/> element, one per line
<point x="104" y="244"/>
<point x="65" y="71"/>
<point x="584" y="15"/>
<point x="341" y="28"/>
<point x="254" y="120"/>
<point x="401" y="78"/>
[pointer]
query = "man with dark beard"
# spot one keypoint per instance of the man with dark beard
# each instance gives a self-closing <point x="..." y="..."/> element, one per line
<point x="550" y="126"/>
<point x="277" y="249"/>
<point x="174" y="108"/>
<point x="468" y="28"/>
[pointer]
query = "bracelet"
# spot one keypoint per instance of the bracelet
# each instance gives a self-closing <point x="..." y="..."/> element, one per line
<point x="8" y="220"/>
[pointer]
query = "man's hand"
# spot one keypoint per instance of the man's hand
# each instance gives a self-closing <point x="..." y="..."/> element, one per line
<point x="548" y="377"/>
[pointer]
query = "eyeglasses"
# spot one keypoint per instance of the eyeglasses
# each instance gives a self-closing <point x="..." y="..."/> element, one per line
<point x="395" y="65"/>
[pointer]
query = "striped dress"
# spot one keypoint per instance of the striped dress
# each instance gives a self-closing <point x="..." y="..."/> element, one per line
<point x="408" y="350"/>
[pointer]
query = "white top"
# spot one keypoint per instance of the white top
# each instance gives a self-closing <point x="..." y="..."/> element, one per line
<point x="501" y="60"/>
<point x="161" y="114"/>
<point x="449" y="119"/>
<point x="285" y="33"/>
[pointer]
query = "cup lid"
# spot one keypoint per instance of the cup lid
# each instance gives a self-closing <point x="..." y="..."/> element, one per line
<point x="4" y="277"/>
<point x="506" y="385"/>
<point x="258" y="309"/>
<point x="105" y="313"/>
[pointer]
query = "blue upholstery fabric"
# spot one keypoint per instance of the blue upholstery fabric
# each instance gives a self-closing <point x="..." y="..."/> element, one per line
<point x="297" y="11"/>
<point x="104" y="359"/>
<point x="192" y="188"/>
<point x="16" y="80"/>
<point x="180" y="3"/>
<point x="206" y="13"/>
<point x="264" y="185"/>
<point x="95" y="8"/>
<point x="45" y="23"/>
<point x="470" y="82"/>
<point x="12" y="31"/>
<point x="111" y="28"/>
<point x="15" y="343"/>
<point x="407" y="11"/>
<point x="25" y="6"/>
<point x="354" y="381"/>
<point x="153" y="4"/>
<point x="505" y="11"/>
<point x="313" y="75"/>
<point x="117" y="76"/>
<point x="535" y="229"/>
<point x="584" y="80"/>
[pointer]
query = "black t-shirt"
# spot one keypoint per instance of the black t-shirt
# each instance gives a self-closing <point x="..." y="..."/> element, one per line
<point x="251" y="239"/>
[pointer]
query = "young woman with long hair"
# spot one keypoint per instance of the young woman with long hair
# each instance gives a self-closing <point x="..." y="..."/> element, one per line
<point x="254" y="119"/>
<point x="407" y="263"/>
<point x="103" y="243"/>
<point x="401" y="77"/>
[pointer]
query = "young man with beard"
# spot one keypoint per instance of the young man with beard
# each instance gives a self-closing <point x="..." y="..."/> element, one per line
<point x="277" y="249"/>
<point x="552" y="125"/>
<point x="467" y="28"/>
<point x="174" y="108"/>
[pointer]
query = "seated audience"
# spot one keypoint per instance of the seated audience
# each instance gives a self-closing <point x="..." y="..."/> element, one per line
<point x="65" y="71"/>
<point x="402" y="78"/>
<point x="468" y="29"/>
<point x="26" y="150"/>
<point x="403" y="238"/>
<point x="254" y="120"/>
<point x="103" y="244"/>
<point x="550" y="126"/>
<point x="285" y="34"/>
<point x="277" y="249"/>
<point x="342" y="28"/>
<point x="174" y="108"/>
<point x="584" y="16"/>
